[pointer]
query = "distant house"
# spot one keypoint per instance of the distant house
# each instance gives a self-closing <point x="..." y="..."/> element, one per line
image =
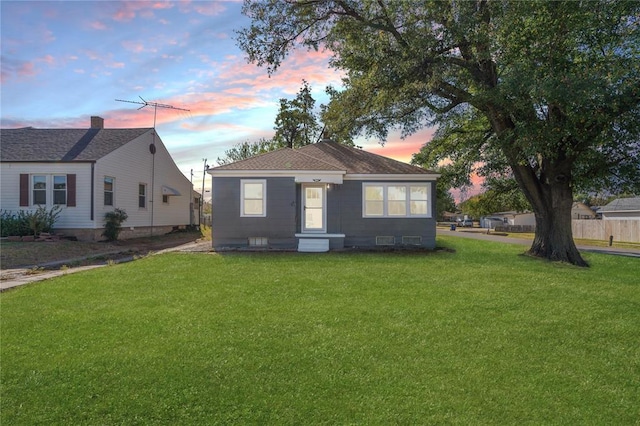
<point x="320" y="197"/>
<point x="509" y="218"/>
<point x="581" y="211"/>
<point x="527" y="220"/>
<point x="622" y="208"/>
<point x="89" y="172"/>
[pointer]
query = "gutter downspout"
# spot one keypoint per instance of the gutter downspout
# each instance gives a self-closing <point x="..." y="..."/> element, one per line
<point x="93" y="190"/>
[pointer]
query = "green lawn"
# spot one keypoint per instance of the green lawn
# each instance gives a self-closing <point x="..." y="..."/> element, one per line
<point x="480" y="336"/>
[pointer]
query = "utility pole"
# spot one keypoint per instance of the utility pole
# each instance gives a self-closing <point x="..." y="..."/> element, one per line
<point x="204" y="176"/>
<point x="191" y="201"/>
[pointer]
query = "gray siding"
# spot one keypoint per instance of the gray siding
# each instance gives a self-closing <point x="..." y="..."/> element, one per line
<point x="231" y="230"/>
<point x="345" y="214"/>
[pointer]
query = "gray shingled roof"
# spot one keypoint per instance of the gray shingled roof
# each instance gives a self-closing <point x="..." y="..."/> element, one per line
<point x="327" y="156"/>
<point x="281" y="159"/>
<point x="29" y="144"/>
<point x="622" y="204"/>
<point x="357" y="161"/>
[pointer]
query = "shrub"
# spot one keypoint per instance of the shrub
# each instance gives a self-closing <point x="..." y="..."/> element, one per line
<point x="26" y="222"/>
<point x="113" y="224"/>
<point x="14" y="223"/>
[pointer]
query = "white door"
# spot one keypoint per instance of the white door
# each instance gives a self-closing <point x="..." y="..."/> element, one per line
<point x="313" y="208"/>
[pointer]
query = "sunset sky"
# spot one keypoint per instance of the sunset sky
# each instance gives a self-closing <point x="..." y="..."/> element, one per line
<point x="63" y="62"/>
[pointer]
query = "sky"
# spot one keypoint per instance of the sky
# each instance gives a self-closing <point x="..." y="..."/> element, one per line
<point x="64" y="61"/>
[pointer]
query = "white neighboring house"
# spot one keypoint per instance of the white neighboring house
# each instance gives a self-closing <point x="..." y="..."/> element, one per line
<point x="89" y="172"/>
<point x="581" y="211"/>
<point x="622" y="208"/>
<point x="512" y="218"/>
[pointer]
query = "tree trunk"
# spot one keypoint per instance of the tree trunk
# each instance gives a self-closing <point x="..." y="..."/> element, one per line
<point x="554" y="238"/>
<point x="548" y="190"/>
<point x="551" y="198"/>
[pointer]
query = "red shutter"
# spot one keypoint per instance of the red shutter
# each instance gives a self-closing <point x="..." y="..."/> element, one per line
<point x="71" y="190"/>
<point x="24" y="190"/>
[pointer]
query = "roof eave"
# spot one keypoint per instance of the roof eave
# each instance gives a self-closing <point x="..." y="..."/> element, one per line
<point x="392" y="177"/>
<point x="272" y="173"/>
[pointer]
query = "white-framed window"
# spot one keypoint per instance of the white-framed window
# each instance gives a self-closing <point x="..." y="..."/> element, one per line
<point x="39" y="190"/>
<point x="142" y="195"/>
<point x="391" y="199"/>
<point x="253" y="198"/>
<point x="47" y="190"/>
<point x="109" y="187"/>
<point x="60" y="189"/>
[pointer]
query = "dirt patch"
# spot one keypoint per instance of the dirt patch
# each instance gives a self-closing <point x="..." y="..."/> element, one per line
<point x="33" y="254"/>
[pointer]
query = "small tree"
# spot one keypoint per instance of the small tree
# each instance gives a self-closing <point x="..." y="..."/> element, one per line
<point x="113" y="224"/>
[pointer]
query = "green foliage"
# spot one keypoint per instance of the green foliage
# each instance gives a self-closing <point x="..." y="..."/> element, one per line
<point x="247" y="149"/>
<point x="113" y="223"/>
<point x="26" y="222"/>
<point x="14" y="223"/>
<point x="546" y="92"/>
<point x="296" y="124"/>
<point x="444" y="199"/>
<point x="474" y="335"/>
<point x="501" y="195"/>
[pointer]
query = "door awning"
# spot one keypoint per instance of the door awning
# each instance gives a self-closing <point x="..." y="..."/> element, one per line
<point x="167" y="190"/>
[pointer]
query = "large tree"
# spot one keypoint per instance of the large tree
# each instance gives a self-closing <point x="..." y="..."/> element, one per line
<point x="558" y="83"/>
<point x="296" y="123"/>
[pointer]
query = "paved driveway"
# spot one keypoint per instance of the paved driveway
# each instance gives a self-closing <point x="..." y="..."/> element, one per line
<point x="482" y="235"/>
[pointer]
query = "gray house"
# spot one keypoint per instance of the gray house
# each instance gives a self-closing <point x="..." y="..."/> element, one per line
<point x="320" y="197"/>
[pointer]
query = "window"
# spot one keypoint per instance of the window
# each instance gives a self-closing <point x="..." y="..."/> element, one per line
<point x="165" y="199"/>
<point x="142" y="196"/>
<point x="60" y="189"/>
<point x="396" y="200"/>
<point x="418" y="200"/>
<point x="108" y="190"/>
<point x="39" y="190"/>
<point x="253" y="198"/>
<point x="47" y="190"/>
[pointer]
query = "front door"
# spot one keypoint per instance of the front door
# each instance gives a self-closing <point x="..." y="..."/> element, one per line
<point x="314" y="208"/>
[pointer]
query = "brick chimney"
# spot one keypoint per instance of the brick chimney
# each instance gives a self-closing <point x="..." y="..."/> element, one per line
<point x="97" y="122"/>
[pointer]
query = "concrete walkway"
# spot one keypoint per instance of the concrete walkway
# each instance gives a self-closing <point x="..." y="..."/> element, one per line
<point x="10" y="278"/>
<point x="482" y="235"/>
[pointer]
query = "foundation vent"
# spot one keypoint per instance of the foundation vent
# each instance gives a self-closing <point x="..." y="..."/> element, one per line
<point x="385" y="241"/>
<point x="412" y="240"/>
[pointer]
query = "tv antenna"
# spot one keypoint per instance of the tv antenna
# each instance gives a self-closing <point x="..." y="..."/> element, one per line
<point x="155" y="106"/>
<point x="152" y="146"/>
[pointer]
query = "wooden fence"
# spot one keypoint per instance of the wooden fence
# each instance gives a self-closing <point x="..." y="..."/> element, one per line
<point x="620" y="229"/>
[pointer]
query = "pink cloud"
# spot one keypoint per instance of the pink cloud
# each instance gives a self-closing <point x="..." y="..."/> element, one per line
<point x="47" y="59"/>
<point x="27" y="69"/>
<point x="105" y="59"/>
<point x="401" y="149"/>
<point x="128" y="10"/>
<point x="133" y="46"/>
<point x="287" y="79"/>
<point x="47" y="36"/>
<point x="97" y="25"/>
<point x="162" y="5"/>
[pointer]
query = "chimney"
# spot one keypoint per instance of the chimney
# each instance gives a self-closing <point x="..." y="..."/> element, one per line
<point x="97" y="122"/>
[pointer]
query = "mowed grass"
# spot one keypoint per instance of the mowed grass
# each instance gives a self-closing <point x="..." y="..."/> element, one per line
<point x="484" y="335"/>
